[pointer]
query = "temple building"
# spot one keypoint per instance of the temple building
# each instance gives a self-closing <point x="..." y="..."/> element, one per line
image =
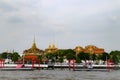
<point x="33" y="52"/>
<point x="93" y="49"/>
<point x="89" y="49"/>
<point x="78" y="49"/>
<point x="51" y="49"/>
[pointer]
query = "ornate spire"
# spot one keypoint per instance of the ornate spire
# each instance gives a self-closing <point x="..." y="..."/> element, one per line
<point x="49" y="47"/>
<point x="34" y="39"/>
<point x="34" y="44"/>
<point x="52" y="46"/>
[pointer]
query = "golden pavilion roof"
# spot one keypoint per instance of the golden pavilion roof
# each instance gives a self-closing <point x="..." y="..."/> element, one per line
<point x="89" y="49"/>
<point x="33" y="50"/>
<point x="51" y="49"/>
<point x="78" y="49"/>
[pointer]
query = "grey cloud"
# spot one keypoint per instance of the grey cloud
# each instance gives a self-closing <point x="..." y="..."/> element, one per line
<point x="4" y="7"/>
<point x="15" y="20"/>
<point x="65" y="20"/>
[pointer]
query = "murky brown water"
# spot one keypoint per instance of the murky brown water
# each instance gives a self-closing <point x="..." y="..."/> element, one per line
<point x="59" y="75"/>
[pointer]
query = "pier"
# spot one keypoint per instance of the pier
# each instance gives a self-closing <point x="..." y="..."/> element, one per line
<point x="58" y="66"/>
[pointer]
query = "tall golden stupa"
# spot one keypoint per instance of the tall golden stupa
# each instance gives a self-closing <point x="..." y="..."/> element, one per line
<point x="51" y="49"/>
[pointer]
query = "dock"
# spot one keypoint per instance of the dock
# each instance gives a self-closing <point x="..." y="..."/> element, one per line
<point x="28" y="67"/>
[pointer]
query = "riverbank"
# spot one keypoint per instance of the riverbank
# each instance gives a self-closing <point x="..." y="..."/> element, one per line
<point x="45" y="66"/>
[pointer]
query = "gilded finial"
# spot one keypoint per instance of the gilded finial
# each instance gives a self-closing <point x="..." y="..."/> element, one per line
<point x="53" y="46"/>
<point x="34" y="44"/>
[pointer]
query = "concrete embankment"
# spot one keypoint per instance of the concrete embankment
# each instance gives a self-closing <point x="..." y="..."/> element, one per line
<point x="45" y="66"/>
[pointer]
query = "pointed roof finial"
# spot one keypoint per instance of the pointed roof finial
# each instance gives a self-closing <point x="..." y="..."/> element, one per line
<point x="34" y="44"/>
<point x="49" y="45"/>
<point x="53" y="46"/>
<point x="34" y="38"/>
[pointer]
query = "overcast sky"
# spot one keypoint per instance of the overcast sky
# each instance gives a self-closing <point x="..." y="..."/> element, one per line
<point x="67" y="23"/>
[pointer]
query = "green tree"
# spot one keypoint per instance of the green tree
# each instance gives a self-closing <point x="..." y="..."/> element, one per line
<point x="4" y="55"/>
<point x="81" y="55"/>
<point x="116" y="52"/>
<point x="40" y="58"/>
<point x="94" y="57"/>
<point x="15" y="56"/>
<point x="70" y="56"/>
<point x="115" y="59"/>
<point x="86" y="56"/>
<point x="115" y="56"/>
<point x="61" y="55"/>
<point x="70" y="51"/>
<point x="9" y="55"/>
<point x="50" y="55"/>
<point x="105" y="56"/>
<point x="99" y="57"/>
<point x="78" y="60"/>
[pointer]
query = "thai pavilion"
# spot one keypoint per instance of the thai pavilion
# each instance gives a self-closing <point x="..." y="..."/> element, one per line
<point x="33" y="53"/>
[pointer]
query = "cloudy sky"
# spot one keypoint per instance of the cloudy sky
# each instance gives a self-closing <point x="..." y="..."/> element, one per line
<point x="67" y="23"/>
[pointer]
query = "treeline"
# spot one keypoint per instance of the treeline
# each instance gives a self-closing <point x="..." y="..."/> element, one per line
<point x="67" y="54"/>
<point x="13" y="56"/>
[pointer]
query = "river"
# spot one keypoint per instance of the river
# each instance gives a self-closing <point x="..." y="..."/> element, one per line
<point x="59" y="74"/>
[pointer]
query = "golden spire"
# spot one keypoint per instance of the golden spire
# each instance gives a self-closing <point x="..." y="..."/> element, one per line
<point x="52" y="46"/>
<point x="34" y="44"/>
<point x="49" y="46"/>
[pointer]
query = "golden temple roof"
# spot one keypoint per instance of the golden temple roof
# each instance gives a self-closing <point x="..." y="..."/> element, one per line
<point x="51" y="48"/>
<point x="34" y="46"/>
<point x="33" y="49"/>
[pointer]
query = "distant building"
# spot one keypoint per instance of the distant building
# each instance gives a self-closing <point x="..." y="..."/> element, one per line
<point x="78" y="49"/>
<point x="89" y="49"/>
<point x="93" y="49"/>
<point x="51" y="49"/>
<point x="33" y="52"/>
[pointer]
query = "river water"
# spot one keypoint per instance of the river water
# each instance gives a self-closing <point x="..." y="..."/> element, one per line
<point x="59" y="75"/>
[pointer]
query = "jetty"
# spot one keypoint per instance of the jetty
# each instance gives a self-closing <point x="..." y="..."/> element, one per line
<point x="28" y="67"/>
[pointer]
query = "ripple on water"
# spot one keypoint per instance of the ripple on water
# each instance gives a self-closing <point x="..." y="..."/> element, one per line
<point x="59" y="75"/>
